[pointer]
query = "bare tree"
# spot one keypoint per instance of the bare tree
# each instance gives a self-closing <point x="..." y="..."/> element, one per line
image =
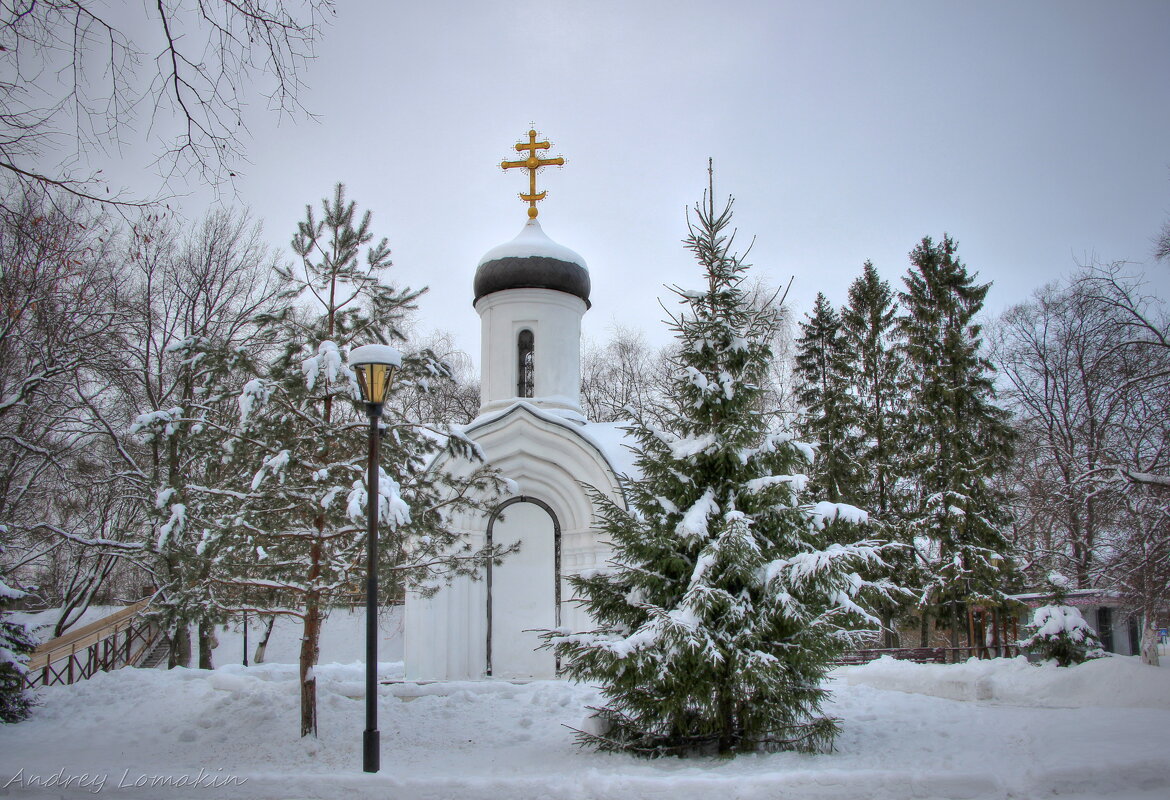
<point x="95" y="522"/>
<point x="449" y="395"/>
<point x="1138" y="561"/>
<point x="159" y="411"/>
<point x="1141" y="330"/>
<point x="1089" y="367"/>
<point x="1058" y="353"/>
<point x="81" y="75"/>
<point x="623" y="373"/>
<point x="61" y="321"/>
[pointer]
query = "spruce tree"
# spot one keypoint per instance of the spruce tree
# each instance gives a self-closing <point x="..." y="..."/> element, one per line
<point x="868" y="331"/>
<point x="869" y="341"/>
<point x="724" y="603"/>
<point x="956" y="439"/>
<point x="828" y="418"/>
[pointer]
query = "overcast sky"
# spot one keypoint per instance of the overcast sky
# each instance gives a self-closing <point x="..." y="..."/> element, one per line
<point x="1035" y="133"/>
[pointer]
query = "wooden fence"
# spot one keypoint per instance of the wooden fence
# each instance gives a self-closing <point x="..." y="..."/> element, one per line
<point x="124" y="638"/>
<point x="930" y="655"/>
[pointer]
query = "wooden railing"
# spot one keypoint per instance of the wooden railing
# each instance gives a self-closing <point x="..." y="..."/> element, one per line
<point x="121" y="639"/>
<point x="930" y="655"/>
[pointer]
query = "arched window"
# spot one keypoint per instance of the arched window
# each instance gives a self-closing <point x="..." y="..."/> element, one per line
<point x="524" y="349"/>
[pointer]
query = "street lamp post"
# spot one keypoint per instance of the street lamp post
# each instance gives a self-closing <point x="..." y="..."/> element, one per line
<point x="375" y="365"/>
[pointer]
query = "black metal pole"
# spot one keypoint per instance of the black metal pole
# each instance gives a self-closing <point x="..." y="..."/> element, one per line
<point x="371" y="739"/>
<point x="245" y="638"/>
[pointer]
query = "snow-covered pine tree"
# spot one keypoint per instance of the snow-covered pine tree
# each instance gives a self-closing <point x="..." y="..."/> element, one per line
<point x="294" y="528"/>
<point x="1058" y="632"/>
<point x="828" y="419"/>
<point x="723" y="606"/>
<point x="868" y="336"/>
<point x="956" y="439"/>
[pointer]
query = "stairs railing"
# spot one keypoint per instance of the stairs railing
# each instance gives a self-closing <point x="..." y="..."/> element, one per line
<point x="124" y="638"/>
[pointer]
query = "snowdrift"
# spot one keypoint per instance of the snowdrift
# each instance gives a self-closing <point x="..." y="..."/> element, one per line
<point x="1118" y="682"/>
<point x="999" y="729"/>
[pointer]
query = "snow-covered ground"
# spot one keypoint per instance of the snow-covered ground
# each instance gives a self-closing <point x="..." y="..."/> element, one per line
<point x="999" y="729"/>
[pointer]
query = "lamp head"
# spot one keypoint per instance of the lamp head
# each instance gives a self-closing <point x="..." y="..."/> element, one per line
<point x="375" y="365"/>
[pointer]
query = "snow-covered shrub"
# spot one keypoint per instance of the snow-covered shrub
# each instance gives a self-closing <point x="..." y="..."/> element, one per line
<point x="1058" y="632"/>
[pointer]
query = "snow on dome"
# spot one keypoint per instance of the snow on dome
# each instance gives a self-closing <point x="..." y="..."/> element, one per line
<point x="532" y="261"/>
<point x="532" y="241"/>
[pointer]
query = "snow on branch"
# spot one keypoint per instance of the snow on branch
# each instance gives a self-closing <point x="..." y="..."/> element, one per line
<point x="393" y="511"/>
<point x="694" y="522"/>
<point x="164" y="420"/>
<point x="797" y="482"/>
<point x="254" y="395"/>
<point x="273" y="465"/>
<point x="824" y="512"/>
<point x="805" y="567"/>
<point x="174" y="524"/>
<point x="327" y="360"/>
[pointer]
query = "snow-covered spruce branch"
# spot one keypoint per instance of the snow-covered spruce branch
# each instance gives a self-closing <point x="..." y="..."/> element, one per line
<point x="301" y="533"/>
<point x="259" y="611"/>
<point x="322" y="588"/>
<point x="111" y="543"/>
<point x="194" y="487"/>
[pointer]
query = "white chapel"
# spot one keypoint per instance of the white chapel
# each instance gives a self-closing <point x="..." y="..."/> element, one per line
<point x="530" y="294"/>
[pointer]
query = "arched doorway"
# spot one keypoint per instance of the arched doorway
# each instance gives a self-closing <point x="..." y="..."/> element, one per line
<point x="523" y="593"/>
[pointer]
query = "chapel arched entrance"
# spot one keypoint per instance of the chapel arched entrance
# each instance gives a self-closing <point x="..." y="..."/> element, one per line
<point x="523" y="593"/>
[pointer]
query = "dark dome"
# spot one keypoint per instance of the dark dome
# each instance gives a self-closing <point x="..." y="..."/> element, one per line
<point x="532" y="261"/>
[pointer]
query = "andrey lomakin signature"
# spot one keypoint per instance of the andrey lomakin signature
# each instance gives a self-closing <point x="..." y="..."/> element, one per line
<point x="96" y="781"/>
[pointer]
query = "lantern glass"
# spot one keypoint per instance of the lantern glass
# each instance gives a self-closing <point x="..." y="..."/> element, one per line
<point x="374" y="380"/>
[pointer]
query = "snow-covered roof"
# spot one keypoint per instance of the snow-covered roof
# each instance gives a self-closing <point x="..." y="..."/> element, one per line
<point x="616" y="443"/>
<point x="608" y="438"/>
<point x="1076" y="597"/>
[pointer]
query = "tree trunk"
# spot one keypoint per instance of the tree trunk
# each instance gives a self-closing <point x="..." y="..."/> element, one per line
<point x="263" y="646"/>
<point x="1149" y="641"/>
<point x="309" y="645"/>
<point x="311" y="638"/>
<point x="180" y="655"/>
<point x="954" y="625"/>
<point x="207" y="643"/>
<point x="924" y="630"/>
<point x="889" y="635"/>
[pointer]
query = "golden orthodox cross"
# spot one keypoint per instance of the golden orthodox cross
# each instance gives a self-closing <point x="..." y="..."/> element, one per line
<point x="533" y="164"/>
